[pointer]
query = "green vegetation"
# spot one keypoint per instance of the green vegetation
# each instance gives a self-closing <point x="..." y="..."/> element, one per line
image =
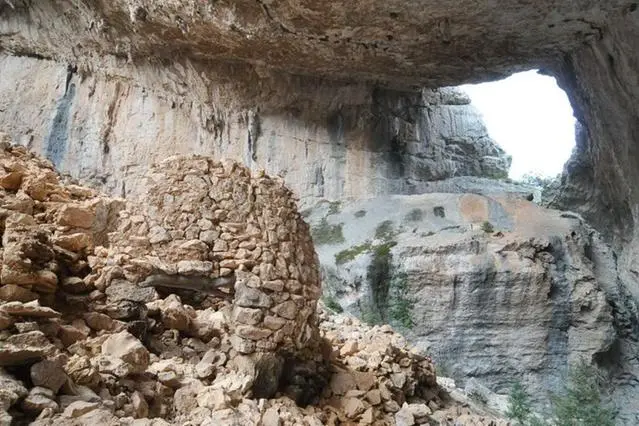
<point x="401" y="306"/>
<point x="334" y="207"/>
<point x="439" y="211"/>
<point x="581" y="403"/>
<point x="349" y="254"/>
<point x="414" y="215"/>
<point x="388" y="300"/>
<point x="331" y="303"/>
<point x="379" y="276"/>
<point x="360" y="213"/>
<point x="487" y="227"/>
<point x="325" y="233"/>
<point x="385" y="230"/>
<point x="518" y="405"/>
<point x="478" y="397"/>
<point x="370" y="314"/>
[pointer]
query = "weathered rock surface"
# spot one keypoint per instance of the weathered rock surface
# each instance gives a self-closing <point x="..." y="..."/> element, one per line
<point x="170" y="362"/>
<point x="522" y="301"/>
<point x="374" y="143"/>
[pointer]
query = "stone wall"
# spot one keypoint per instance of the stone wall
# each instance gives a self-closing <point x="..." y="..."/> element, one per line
<point x="195" y="217"/>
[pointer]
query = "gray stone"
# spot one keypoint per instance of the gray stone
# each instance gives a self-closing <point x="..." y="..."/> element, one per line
<point x="48" y="374"/>
<point x="120" y="290"/>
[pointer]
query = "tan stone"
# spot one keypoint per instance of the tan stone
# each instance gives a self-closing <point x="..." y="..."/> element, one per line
<point x="368" y="417"/>
<point x="75" y="216"/>
<point x="274" y="323"/>
<point x="29" y="309"/>
<point x="342" y="382"/>
<point x="252" y="333"/>
<point x="74" y="242"/>
<point x="128" y="349"/>
<point x="286" y="310"/>
<point x="247" y="316"/>
<point x="15" y="293"/>
<point x="11" y="181"/>
<point x="80" y="408"/>
<point x="374" y="397"/>
<point x="353" y="407"/>
<point x="349" y="348"/>
<point x="69" y="334"/>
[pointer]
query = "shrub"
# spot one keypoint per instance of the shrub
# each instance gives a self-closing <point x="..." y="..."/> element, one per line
<point x="360" y="213"/>
<point x="582" y="403"/>
<point x="325" y="233"/>
<point x="401" y="305"/>
<point x="348" y="255"/>
<point x="334" y="207"/>
<point x="478" y="397"/>
<point x="518" y="405"/>
<point x="414" y="215"/>
<point x="332" y="304"/>
<point x="384" y="230"/>
<point x="370" y="314"/>
<point x="379" y="275"/>
<point x="487" y="227"/>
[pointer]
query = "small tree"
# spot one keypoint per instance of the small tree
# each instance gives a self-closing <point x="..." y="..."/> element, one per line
<point x="518" y="405"/>
<point x="582" y="404"/>
<point x="487" y="227"/>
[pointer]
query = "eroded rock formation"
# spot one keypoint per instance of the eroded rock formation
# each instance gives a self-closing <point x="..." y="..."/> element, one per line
<point x="360" y="142"/>
<point x="495" y="287"/>
<point x="314" y="68"/>
<point x="81" y="343"/>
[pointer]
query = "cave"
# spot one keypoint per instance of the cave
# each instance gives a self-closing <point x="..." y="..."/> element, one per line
<point x="341" y="87"/>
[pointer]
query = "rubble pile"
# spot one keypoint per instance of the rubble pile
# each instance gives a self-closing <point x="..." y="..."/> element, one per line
<point x="196" y="305"/>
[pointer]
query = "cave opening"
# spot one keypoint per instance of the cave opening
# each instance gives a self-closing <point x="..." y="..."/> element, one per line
<point x="531" y="118"/>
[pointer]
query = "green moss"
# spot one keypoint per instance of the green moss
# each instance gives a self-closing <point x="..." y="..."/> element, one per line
<point x="360" y="213"/>
<point x="487" y="227"/>
<point x="385" y="230"/>
<point x="349" y="254"/>
<point x="414" y="215"/>
<point x="325" y="233"/>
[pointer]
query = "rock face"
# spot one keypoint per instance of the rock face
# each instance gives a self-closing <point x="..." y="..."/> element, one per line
<point x="313" y="69"/>
<point x="361" y="142"/>
<point x="521" y="301"/>
<point x="151" y="358"/>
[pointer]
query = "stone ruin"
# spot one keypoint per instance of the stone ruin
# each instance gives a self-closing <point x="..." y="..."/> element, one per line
<point x="194" y="304"/>
<point x="200" y="218"/>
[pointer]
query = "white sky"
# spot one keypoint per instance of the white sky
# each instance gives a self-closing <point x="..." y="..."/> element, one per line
<point x="530" y="117"/>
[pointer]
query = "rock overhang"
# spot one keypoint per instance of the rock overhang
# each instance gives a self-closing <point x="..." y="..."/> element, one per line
<point x="398" y="43"/>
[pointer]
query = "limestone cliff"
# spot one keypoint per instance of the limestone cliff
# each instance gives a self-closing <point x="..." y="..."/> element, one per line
<point x="494" y="287"/>
<point x="361" y="143"/>
<point x="330" y="94"/>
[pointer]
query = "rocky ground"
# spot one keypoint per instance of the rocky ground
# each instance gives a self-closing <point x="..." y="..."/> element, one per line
<point x="86" y="340"/>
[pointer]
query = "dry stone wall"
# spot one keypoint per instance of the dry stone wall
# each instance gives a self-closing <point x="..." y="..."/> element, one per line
<point x="197" y="217"/>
